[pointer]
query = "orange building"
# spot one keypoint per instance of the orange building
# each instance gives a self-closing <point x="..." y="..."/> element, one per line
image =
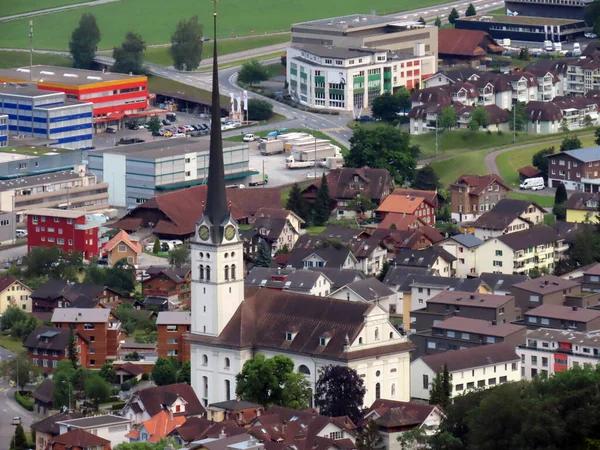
<point x="171" y="327"/>
<point x="173" y="283"/>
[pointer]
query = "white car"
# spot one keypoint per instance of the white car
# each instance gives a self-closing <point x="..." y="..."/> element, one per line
<point x="227" y="127"/>
<point x="189" y="128"/>
<point x="312" y="175"/>
<point x="236" y="124"/>
<point x="249" y="138"/>
<point x="591" y="35"/>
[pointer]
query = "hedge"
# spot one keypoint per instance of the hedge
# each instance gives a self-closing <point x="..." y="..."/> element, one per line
<point x="26" y="403"/>
<point x="118" y="406"/>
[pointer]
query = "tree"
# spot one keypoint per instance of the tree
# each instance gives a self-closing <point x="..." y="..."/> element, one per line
<point x="24" y="328"/>
<point x="403" y="97"/>
<point x="518" y="117"/>
<point x="97" y="389"/>
<point x="481" y="116"/>
<point x="133" y="356"/>
<point x="11" y="316"/>
<point x="20" y="371"/>
<point x="156" y="246"/>
<point x="154" y="124"/>
<point x="179" y="256"/>
<point x="564" y="126"/>
<point x="253" y="72"/>
<point x="536" y="272"/>
<point x="597" y="134"/>
<point x="473" y="125"/>
<point x="369" y="437"/>
<point x="440" y="392"/>
<point x="272" y="381"/>
<point x="80" y="377"/>
<point x="186" y="44"/>
<point x="426" y="179"/>
<point x="570" y="143"/>
<point x="361" y="204"/>
<point x="296" y="202"/>
<point x="447" y="118"/>
<point x="51" y="262"/>
<point x="524" y="54"/>
<point x="470" y="11"/>
<point x="385" y="148"/>
<point x="540" y="160"/>
<point x="164" y="372"/>
<point x="19" y="441"/>
<point x="560" y="211"/>
<point x="385" y="107"/>
<point x="259" y="109"/>
<point x="262" y="257"/>
<point x="385" y="268"/>
<point x="63" y="384"/>
<point x="339" y="392"/>
<point x="453" y="16"/>
<point x="321" y="210"/>
<point x="72" y="348"/>
<point x="108" y="372"/>
<point x="438" y="22"/>
<point x="560" y="196"/>
<point x="184" y="375"/>
<point x="129" y="57"/>
<point x="84" y="42"/>
<point x="422" y="21"/>
<point x="133" y="319"/>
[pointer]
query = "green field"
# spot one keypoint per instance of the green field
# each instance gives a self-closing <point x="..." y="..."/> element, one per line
<point x="156" y="20"/>
<point x="9" y="8"/>
<point x="161" y="55"/>
<point x="16" y="59"/>
<point x="545" y="201"/>
<point x="450" y="169"/>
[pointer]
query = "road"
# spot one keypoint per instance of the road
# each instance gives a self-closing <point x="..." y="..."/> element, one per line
<point x="52" y="10"/>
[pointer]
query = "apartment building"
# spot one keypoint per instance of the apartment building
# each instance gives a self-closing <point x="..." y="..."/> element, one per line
<point x="173" y="283"/>
<point x="472" y="195"/>
<point x="578" y="170"/>
<point x="99" y="326"/>
<point x="547" y="351"/>
<point x="172" y="325"/>
<point x="464" y="248"/>
<point x="46" y="346"/>
<point x="559" y="317"/>
<point x="552" y="116"/>
<point x="538" y="247"/>
<point x="472" y="368"/>
<point x="546" y="290"/>
<point x="343" y="63"/>
<point x="591" y="279"/>
<point x="508" y="216"/>
<point x="436" y="259"/>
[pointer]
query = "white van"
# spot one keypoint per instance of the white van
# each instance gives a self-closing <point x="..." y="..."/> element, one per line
<point x="21" y="233"/>
<point x="535" y="184"/>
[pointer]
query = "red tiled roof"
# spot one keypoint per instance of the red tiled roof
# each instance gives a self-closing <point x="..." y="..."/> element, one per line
<point x="122" y="237"/>
<point x="403" y="204"/>
<point x="466" y="43"/>
<point x="479" y="183"/>
<point x="161" y="424"/>
<point x="79" y="438"/>
<point x="401" y="221"/>
<point x="430" y="196"/>
<point x="529" y="171"/>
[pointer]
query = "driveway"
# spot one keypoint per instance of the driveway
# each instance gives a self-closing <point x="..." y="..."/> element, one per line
<point x="146" y="260"/>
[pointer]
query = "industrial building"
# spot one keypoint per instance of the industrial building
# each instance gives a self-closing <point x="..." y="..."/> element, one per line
<point x="3" y="130"/>
<point x="138" y="172"/>
<point x="40" y="114"/>
<point x="564" y="9"/>
<point x="345" y="62"/>
<point x="115" y="96"/>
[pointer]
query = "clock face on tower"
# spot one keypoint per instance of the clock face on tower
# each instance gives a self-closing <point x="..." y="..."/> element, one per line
<point x="229" y="232"/>
<point x="203" y="233"/>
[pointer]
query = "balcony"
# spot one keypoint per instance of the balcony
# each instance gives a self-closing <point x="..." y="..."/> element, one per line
<point x="595" y="181"/>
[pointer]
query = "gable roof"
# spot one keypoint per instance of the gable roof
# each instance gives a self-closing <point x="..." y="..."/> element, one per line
<point x="154" y="398"/>
<point x="401" y="221"/>
<point x="457" y="42"/>
<point x="80" y="438"/>
<point x="570" y="313"/>
<point x="332" y="257"/>
<point x="431" y="196"/>
<point x="58" y="338"/>
<point x="78" y="294"/>
<point x="546" y="284"/>
<point x="123" y="237"/>
<point x="580" y="201"/>
<point x="422" y="258"/>
<point x="531" y="237"/>
<point x="131" y="369"/>
<point x="396" y="275"/>
<point x="370" y="289"/>
<point x="501" y="281"/>
<point x="6" y="281"/>
<point x="176" y="274"/>
<point x="161" y="424"/>
<point x="174" y="318"/>
<point x="44" y="391"/>
<point x="275" y="213"/>
<point x="477" y="326"/>
<point x="530" y="172"/>
<point x="82" y="315"/>
<point x="467" y="240"/>
<point x="376" y="183"/>
<point x="50" y="426"/>
<point x="504" y="213"/>
<point x="340" y="277"/>
<point x="471" y="299"/>
<point x="403" y="204"/>
<point x="479" y="183"/>
<point x="393" y="413"/>
<point x="408" y="281"/>
<point x="482" y="355"/>
<point x="588" y="154"/>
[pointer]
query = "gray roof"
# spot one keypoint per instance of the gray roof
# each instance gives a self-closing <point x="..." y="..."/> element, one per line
<point x="96" y="421"/>
<point x="467" y="240"/>
<point x="577" y="337"/>
<point x="333" y="52"/>
<point x="235" y="405"/>
<point x="340" y="277"/>
<point x="503" y="214"/>
<point x="482" y="355"/>
<point x="587" y="154"/>
<point x="532" y="237"/>
<point x="475" y="299"/>
<point x="25" y="90"/>
<point x="452" y="284"/>
<point x="174" y="318"/>
<point x="421" y="258"/>
<point x="289" y="279"/>
<point x="63" y="75"/>
<point x="86" y="315"/>
<point x="39" y="180"/>
<point x="370" y="289"/>
<point x="301" y="280"/>
<point x="397" y="275"/>
<point x="332" y="256"/>
<point x="500" y="281"/>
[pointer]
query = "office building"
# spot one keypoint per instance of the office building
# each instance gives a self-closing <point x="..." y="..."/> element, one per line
<point x="562" y="9"/>
<point x="3" y="130"/>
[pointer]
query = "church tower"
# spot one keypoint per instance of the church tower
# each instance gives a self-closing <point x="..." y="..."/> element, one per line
<point x="216" y="249"/>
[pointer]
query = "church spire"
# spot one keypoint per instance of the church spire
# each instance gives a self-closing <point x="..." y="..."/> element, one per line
<point x="216" y="200"/>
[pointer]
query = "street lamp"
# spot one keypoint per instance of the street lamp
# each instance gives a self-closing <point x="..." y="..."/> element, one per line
<point x="69" y="393"/>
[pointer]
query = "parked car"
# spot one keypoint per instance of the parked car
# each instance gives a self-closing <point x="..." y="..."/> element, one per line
<point x="249" y="138"/>
<point x="590" y="35"/>
<point x="365" y="119"/>
<point x="16" y="420"/>
<point x="21" y="233"/>
<point x="165" y="122"/>
<point x="111" y="130"/>
<point x="167" y="133"/>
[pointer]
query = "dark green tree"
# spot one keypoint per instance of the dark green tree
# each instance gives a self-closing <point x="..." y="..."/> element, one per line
<point x="262" y="257"/>
<point x="385" y="107"/>
<point x="570" y="143"/>
<point x="518" y="118"/>
<point x="296" y="202"/>
<point x="385" y="268"/>
<point x="120" y="277"/>
<point x="403" y="97"/>
<point x="154" y="124"/>
<point x="564" y="126"/>
<point x="369" y="437"/>
<point x="453" y="16"/>
<point x="186" y="44"/>
<point x="184" y="375"/>
<point x="84" y="42"/>
<point x="259" y="109"/>
<point x="97" y="390"/>
<point x="540" y="160"/>
<point x="597" y="134"/>
<point x="385" y="148"/>
<point x="24" y="328"/>
<point x="20" y="371"/>
<point x="426" y="179"/>
<point x="164" y="372"/>
<point x="63" y="384"/>
<point x="481" y="116"/>
<point x="156" y="246"/>
<point x="108" y="372"/>
<point x="72" y="348"/>
<point x="133" y="356"/>
<point x="321" y="210"/>
<point x="470" y="11"/>
<point x="438" y="22"/>
<point x="588" y="121"/>
<point x="524" y="54"/>
<point x="179" y="256"/>
<point x="19" y="441"/>
<point x="283" y="60"/>
<point x="11" y="316"/>
<point x="447" y="118"/>
<point x="440" y="392"/>
<point x="586" y="248"/>
<point x="129" y="57"/>
<point x="361" y="204"/>
<point x="339" y="392"/>
<point x="560" y="196"/>
<point x="422" y="21"/>
<point x="80" y="377"/>
<point x="253" y="72"/>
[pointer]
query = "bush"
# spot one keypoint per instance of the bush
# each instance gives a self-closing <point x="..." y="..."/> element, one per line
<point x="129" y="384"/>
<point x="26" y="403"/>
<point x="118" y="406"/>
<point x="114" y="398"/>
<point x="259" y="109"/>
<point x="114" y="391"/>
<point x="145" y="377"/>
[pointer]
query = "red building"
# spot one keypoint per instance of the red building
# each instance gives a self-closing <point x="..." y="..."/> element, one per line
<point x="408" y="205"/>
<point x="66" y="229"/>
<point x="48" y="345"/>
<point x="171" y="326"/>
<point x="174" y="283"/>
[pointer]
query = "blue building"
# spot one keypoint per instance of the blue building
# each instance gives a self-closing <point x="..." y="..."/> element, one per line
<point x="3" y="130"/>
<point x="47" y="115"/>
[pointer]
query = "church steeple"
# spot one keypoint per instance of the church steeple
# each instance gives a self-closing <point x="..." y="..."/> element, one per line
<point x="216" y="211"/>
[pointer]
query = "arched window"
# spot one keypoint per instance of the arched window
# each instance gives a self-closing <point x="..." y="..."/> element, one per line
<point x="376" y="334"/>
<point x="393" y="390"/>
<point x="204" y="360"/>
<point x="360" y="340"/>
<point x="227" y="390"/>
<point x="233" y="271"/>
<point x="391" y="335"/>
<point x="226" y="272"/>
<point x="227" y="363"/>
<point x="207" y="273"/>
<point x="304" y="370"/>
<point x="201" y="272"/>
<point x="377" y="391"/>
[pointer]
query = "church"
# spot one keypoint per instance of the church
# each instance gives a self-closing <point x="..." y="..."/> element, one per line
<point x="231" y="324"/>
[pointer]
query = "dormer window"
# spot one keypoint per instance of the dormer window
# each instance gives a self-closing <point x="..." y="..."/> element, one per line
<point x="289" y="335"/>
<point x="323" y="341"/>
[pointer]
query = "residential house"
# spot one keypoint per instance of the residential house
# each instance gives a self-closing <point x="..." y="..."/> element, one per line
<point x="369" y="290"/>
<point x="546" y="290"/>
<point x="171" y="326"/>
<point x="78" y="439"/>
<point x="401" y="222"/>
<point x="156" y="428"/>
<point x="202" y="429"/>
<point x="347" y="183"/>
<point x="241" y="412"/>
<point x="49" y="345"/>
<point x="129" y="371"/>
<point x="121" y="247"/>
<point x="99" y="327"/>
<point x="591" y="279"/>
<point x="394" y="418"/>
<point x="301" y="281"/>
<point x="463" y="247"/>
<point x="110" y="427"/>
<point x="547" y="351"/>
<point x="465" y="46"/>
<point x="329" y="256"/>
<point x="578" y="170"/>
<point x="524" y="86"/>
<point x="472" y="368"/>
<point x="179" y="399"/>
<point x="278" y="227"/>
<point x="508" y="216"/>
<point x="456" y="333"/>
<point x="472" y="195"/>
<point x="42" y="397"/>
<point x="340" y="277"/>
<point x="418" y="207"/>
<point x="14" y="293"/>
<point x="498" y="119"/>
<point x="582" y="207"/>
<point x="172" y="283"/>
<point x="473" y="305"/>
<point x="424" y="118"/>
<point x="501" y="283"/>
<point x="430" y="196"/>
<point x="553" y="116"/>
<point x="450" y="75"/>
<point x="394" y="240"/>
<point x="570" y="318"/>
<point x="371" y="253"/>
<point x="539" y="247"/>
<point x="435" y="258"/>
<point x="47" y="429"/>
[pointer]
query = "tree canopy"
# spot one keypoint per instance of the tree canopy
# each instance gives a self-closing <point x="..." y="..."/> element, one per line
<point x="179" y="256"/>
<point x="540" y="160"/>
<point x="186" y="44"/>
<point x="97" y="389"/>
<point x="253" y="72"/>
<point x="262" y="257"/>
<point x="164" y="371"/>
<point x="129" y="57"/>
<point x="426" y="179"/>
<point x="296" y="202"/>
<point x="259" y="109"/>
<point x="84" y="42"/>
<point x="447" y="118"/>
<point x="470" y="11"/>
<point x="453" y="16"/>
<point x="385" y="106"/>
<point x="570" y="143"/>
<point x="339" y="392"/>
<point x="321" y="210"/>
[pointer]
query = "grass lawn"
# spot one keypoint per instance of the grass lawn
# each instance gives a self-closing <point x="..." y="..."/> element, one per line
<point x="35" y="151"/>
<point x="161" y="55"/>
<point x="315" y="229"/>
<point x="316" y="133"/>
<point x="450" y="169"/>
<point x="156" y="21"/>
<point x="15" y="59"/>
<point x="12" y="344"/>
<point x="545" y="201"/>
<point x="23" y="6"/>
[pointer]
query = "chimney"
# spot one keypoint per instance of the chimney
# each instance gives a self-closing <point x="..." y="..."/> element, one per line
<point x="222" y="434"/>
<point x="546" y="282"/>
<point x="170" y="414"/>
<point x="575" y="308"/>
<point x="494" y="322"/>
<point x="472" y="296"/>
